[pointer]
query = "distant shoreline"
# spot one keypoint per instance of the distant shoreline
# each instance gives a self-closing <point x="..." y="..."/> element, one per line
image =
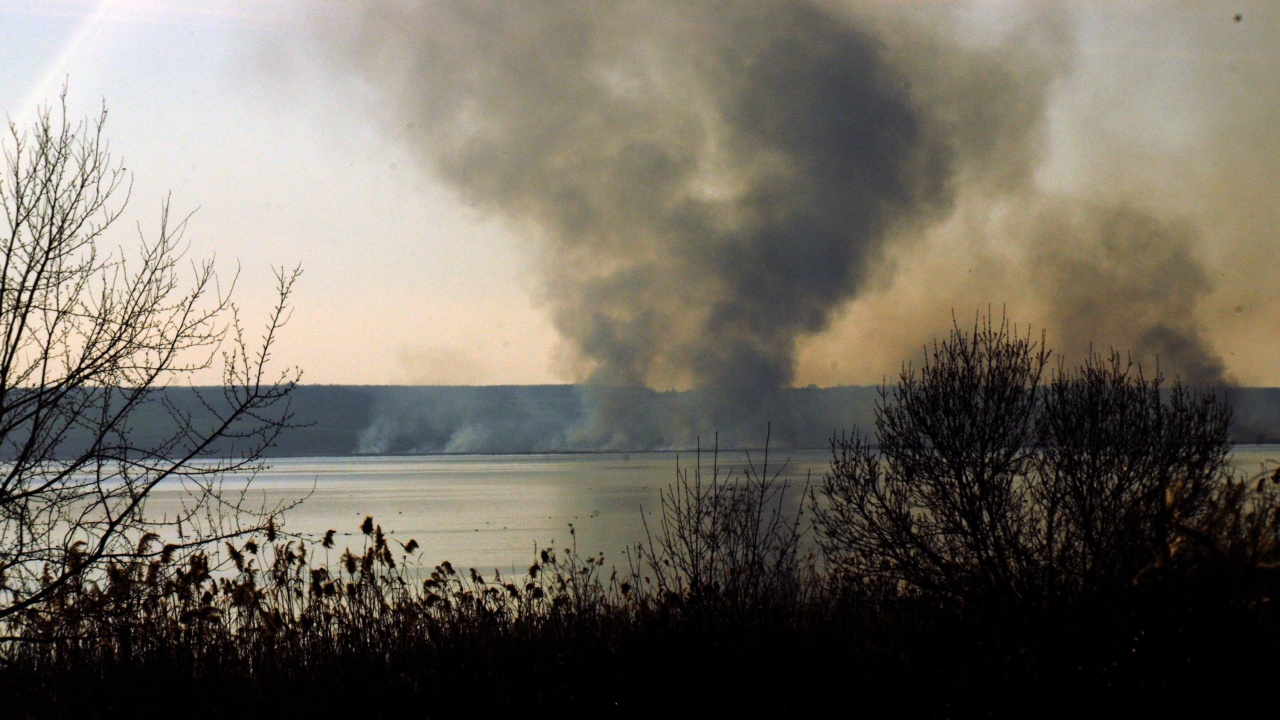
<point x="522" y="420"/>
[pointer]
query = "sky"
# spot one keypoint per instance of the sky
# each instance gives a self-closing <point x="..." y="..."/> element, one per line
<point x="1125" y="195"/>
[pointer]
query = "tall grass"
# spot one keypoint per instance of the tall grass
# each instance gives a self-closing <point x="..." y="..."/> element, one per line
<point x="717" y="609"/>
<point x="308" y="624"/>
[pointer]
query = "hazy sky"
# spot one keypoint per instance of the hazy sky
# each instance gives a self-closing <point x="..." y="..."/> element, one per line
<point x="1156" y="118"/>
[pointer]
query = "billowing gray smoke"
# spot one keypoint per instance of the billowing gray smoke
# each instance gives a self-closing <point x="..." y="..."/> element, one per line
<point x="709" y="182"/>
<point x="1120" y="274"/>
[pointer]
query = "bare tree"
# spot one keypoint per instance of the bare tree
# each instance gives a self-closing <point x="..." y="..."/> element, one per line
<point x="988" y="486"/>
<point x="728" y="543"/>
<point x="1128" y="470"/>
<point x="939" y="503"/>
<point x="90" y="340"/>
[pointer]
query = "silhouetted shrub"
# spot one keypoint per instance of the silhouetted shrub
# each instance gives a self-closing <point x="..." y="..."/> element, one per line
<point x="1126" y="473"/>
<point x="726" y="543"/>
<point x="990" y="488"/>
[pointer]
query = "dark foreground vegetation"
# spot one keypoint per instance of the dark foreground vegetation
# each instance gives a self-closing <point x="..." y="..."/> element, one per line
<point x="1014" y="539"/>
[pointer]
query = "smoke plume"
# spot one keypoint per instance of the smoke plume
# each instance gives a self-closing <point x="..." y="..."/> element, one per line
<point x="709" y="182"/>
<point x="1119" y="274"/>
<point x="1149" y="227"/>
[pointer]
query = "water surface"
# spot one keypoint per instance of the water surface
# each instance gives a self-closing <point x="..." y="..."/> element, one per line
<point x="495" y="511"/>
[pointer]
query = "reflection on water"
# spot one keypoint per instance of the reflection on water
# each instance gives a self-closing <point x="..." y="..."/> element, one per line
<point x="488" y="512"/>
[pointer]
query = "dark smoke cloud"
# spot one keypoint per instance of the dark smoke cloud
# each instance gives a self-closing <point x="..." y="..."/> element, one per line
<point x="710" y="182"/>
<point x="1151" y="228"/>
<point x="1119" y="277"/>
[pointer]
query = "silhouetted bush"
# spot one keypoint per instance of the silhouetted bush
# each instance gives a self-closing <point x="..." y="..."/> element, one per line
<point x="727" y="544"/>
<point x="1126" y="474"/>
<point x="990" y="488"/>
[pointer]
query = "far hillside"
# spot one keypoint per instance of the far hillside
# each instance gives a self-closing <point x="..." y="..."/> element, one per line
<point x="362" y="419"/>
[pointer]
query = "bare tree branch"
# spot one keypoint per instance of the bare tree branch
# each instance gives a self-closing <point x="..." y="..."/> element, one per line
<point x="90" y="339"/>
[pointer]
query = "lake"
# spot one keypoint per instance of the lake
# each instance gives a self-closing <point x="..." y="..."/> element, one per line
<point x="496" y="511"/>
